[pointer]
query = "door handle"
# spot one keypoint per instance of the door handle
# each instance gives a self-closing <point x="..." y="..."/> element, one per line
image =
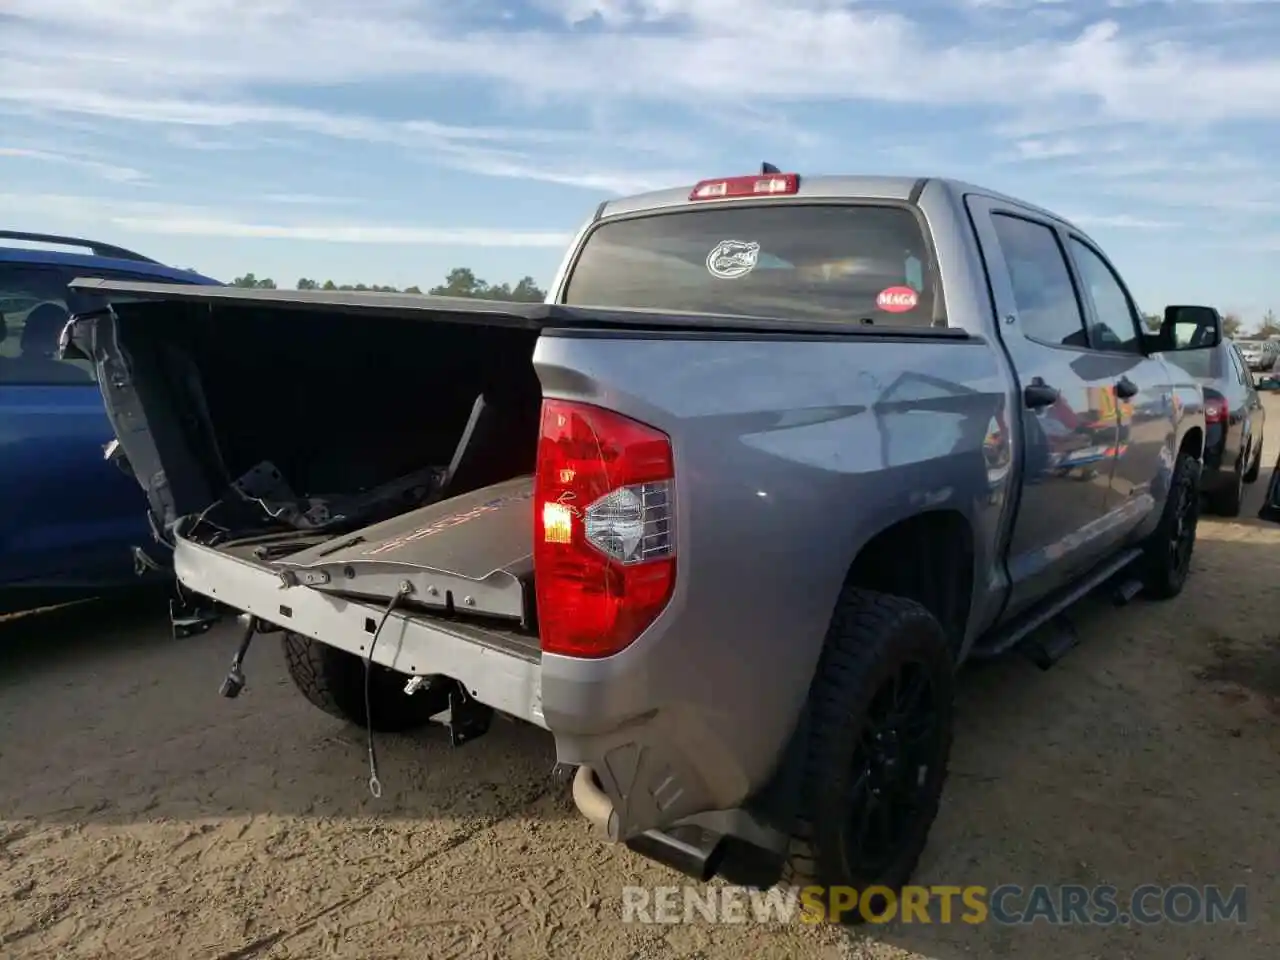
<point x="1126" y="388"/>
<point x="1039" y="394"/>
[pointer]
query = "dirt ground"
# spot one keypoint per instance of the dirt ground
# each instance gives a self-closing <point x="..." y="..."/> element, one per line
<point x="141" y="815"/>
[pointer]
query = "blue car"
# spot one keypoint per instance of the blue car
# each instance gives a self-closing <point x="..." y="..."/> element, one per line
<point x="68" y="516"/>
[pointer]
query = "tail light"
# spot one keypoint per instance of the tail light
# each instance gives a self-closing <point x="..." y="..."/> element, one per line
<point x="1215" y="410"/>
<point x="604" y="529"/>
<point x="758" y="185"/>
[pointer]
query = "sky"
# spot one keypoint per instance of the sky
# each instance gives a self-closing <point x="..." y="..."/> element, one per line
<point x="387" y="141"/>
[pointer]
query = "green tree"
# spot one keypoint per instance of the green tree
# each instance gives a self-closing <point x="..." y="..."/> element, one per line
<point x="252" y="282"/>
<point x="1231" y="324"/>
<point x="527" y="291"/>
<point x="460" y="282"/>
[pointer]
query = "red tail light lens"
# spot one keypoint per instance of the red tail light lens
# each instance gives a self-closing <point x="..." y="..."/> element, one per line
<point x="1215" y="410"/>
<point x="604" y="547"/>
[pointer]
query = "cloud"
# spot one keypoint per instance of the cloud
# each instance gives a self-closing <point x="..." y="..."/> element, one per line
<point x="343" y="233"/>
<point x="305" y="199"/>
<point x="1119" y="221"/>
<point x="191" y="220"/>
<point x="620" y="96"/>
<point x="151" y="59"/>
<point x="107" y="171"/>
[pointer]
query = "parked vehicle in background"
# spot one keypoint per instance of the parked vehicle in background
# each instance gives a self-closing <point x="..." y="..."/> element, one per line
<point x="723" y="516"/>
<point x="1259" y="355"/>
<point x="68" y="516"/>
<point x="1234" y="422"/>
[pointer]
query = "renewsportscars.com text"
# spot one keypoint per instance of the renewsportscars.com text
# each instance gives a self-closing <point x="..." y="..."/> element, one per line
<point x="1008" y="904"/>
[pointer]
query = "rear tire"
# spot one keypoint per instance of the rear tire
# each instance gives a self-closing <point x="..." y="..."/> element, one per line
<point x="1251" y="475"/>
<point x="880" y="709"/>
<point x="1166" y="560"/>
<point x="1227" y="502"/>
<point x="333" y="680"/>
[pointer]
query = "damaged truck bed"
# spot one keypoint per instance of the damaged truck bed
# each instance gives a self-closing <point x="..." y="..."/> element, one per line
<point x="468" y="554"/>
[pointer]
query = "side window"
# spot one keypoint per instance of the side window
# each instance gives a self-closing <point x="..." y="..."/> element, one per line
<point x="1042" y="288"/>
<point x="1116" y="327"/>
<point x="1238" y="364"/>
<point x="33" y="311"/>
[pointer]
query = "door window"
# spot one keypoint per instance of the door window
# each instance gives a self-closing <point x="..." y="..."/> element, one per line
<point x="34" y="307"/>
<point x="1115" y="320"/>
<point x="1043" y="292"/>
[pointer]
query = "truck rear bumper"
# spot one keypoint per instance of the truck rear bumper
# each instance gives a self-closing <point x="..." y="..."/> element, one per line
<point x="683" y="831"/>
<point x="497" y="671"/>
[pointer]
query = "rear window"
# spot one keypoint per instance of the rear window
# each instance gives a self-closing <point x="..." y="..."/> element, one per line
<point x="1203" y="364"/>
<point x="838" y="263"/>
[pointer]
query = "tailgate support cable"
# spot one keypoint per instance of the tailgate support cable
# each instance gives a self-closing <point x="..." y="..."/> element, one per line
<point x="375" y="785"/>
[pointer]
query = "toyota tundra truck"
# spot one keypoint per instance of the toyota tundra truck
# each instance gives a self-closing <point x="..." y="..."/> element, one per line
<point x="723" y="515"/>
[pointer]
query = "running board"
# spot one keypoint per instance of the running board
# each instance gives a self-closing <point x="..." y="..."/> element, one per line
<point x="1054" y="648"/>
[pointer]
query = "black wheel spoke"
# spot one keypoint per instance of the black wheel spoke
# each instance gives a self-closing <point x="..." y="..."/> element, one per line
<point x="918" y="731"/>
<point x="864" y="810"/>
<point x="910" y="695"/>
<point x="883" y="817"/>
<point x="899" y="737"/>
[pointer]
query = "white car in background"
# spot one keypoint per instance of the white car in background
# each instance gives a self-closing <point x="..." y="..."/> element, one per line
<point x="1258" y="354"/>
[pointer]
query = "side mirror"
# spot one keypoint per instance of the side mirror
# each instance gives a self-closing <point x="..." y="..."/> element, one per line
<point x="1190" y="328"/>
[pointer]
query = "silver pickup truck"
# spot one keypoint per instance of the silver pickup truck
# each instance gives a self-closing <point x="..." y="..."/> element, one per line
<point x="723" y="515"/>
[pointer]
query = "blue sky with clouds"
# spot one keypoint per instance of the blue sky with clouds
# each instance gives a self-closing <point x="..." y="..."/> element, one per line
<point x="386" y="141"/>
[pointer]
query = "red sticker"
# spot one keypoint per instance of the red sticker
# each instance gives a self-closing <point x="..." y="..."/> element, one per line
<point x="897" y="299"/>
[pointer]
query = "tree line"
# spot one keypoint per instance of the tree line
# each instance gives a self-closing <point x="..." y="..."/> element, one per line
<point x="462" y="282"/>
<point x="459" y="282"/>
<point x="1232" y="325"/>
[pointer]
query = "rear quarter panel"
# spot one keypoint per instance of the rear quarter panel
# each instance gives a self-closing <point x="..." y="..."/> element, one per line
<point x="790" y="455"/>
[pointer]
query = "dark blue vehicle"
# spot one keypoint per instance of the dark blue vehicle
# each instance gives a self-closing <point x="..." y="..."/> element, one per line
<point x="68" y="516"/>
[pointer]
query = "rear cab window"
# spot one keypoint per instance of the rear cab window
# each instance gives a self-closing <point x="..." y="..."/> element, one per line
<point x="840" y="263"/>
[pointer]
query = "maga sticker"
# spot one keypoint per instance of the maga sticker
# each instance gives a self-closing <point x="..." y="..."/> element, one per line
<point x="730" y="259"/>
<point x="897" y="299"/>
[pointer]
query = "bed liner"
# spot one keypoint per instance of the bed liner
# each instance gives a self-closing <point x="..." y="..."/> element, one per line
<point x="470" y="555"/>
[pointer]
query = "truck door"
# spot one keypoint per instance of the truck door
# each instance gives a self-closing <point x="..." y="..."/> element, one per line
<point x="1139" y="387"/>
<point x="1070" y="427"/>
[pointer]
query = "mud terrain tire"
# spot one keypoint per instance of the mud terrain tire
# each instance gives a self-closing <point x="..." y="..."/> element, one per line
<point x="860" y="767"/>
<point x="1167" y="553"/>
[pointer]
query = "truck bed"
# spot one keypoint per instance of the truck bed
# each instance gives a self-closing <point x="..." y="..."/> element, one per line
<point x="497" y="660"/>
<point x="470" y="554"/>
<point x="468" y="558"/>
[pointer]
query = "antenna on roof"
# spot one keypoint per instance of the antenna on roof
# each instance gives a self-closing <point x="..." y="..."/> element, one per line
<point x="767" y="167"/>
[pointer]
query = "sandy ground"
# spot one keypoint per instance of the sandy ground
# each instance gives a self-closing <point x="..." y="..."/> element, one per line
<point x="143" y="816"/>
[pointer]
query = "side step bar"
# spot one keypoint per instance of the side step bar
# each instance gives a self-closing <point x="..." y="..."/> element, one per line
<point x="1055" y="648"/>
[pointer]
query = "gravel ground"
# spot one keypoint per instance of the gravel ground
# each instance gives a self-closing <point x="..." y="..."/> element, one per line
<point x="143" y="816"/>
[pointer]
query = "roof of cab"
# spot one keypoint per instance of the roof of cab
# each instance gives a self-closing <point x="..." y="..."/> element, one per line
<point x="869" y="187"/>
